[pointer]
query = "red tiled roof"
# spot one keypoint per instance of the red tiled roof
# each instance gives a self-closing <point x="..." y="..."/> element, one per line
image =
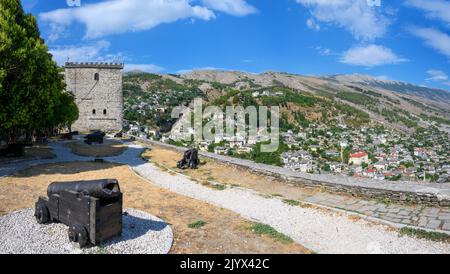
<point x="358" y="155"/>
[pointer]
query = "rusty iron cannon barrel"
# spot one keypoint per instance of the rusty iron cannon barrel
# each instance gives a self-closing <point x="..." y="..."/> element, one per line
<point x="105" y="188"/>
<point x="95" y="134"/>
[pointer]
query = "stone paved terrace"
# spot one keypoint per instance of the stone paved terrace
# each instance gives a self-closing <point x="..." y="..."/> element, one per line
<point x="424" y="215"/>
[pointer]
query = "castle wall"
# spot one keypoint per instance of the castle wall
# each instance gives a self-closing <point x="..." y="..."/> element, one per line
<point x="100" y="102"/>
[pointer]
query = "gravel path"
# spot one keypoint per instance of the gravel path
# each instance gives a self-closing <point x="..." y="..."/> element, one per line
<point x="64" y="154"/>
<point x="319" y="230"/>
<point x="142" y="234"/>
<point x="316" y="229"/>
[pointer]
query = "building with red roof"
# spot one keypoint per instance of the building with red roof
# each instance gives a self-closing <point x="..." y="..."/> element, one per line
<point x="359" y="158"/>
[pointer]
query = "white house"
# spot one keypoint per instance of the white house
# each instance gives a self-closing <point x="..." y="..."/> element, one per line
<point x="358" y="159"/>
<point x="221" y="150"/>
<point x="244" y="149"/>
<point x="381" y="165"/>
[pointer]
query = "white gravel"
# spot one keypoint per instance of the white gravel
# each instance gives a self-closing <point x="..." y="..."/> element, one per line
<point x="142" y="234"/>
<point x="319" y="230"/>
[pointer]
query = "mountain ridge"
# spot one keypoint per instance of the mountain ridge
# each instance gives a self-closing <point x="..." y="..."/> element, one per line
<point x="228" y="77"/>
<point x="395" y="104"/>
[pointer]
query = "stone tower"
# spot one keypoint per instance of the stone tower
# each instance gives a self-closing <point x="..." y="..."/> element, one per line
<point x="97" y="88"/>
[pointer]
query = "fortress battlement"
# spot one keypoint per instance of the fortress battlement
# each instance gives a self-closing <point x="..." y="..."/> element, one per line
<point x="105" y="65"/>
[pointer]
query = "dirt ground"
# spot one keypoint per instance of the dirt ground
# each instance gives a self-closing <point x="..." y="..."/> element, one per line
<point x="229" y="175"/>
<point x="224" y="232"/>
<point x="108" y="148"/>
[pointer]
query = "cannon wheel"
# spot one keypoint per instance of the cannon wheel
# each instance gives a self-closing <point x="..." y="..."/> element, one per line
<point x="41" y="213"/>
<point x="77" y="233"/>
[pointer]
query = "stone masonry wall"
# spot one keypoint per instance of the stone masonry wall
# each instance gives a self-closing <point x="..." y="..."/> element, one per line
<point x="399" y="192"/>
<point x="104" y="95"/>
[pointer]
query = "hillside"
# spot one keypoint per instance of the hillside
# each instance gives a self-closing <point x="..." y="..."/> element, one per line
<point x="396" y="86"/>
<point x="355" y="100"/>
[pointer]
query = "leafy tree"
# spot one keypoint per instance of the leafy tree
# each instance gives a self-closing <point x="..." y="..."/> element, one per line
<point x="31" y="88"/>
<point x="272" y="158"/>
<point x="66" y="111"/>
<point x="346" y="154"/>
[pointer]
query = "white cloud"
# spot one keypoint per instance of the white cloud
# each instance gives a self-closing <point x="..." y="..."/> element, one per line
<point x="438" y="76"/>
<point x="370" y="56"/>
<point x="119" y="16"/>
<point x="97" y="52"/>
<point x="323" y="51"/>
<point x="151" y="68"/>
<point x="438" y="9"/>
<point x="232" y="7"/>
<point x="311" y="24"/>
<point x="361" y="20"/>
<point x="433" y="38"/>
<point x="91" y="52"/>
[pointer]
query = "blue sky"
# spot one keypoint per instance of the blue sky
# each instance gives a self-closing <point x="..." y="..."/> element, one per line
<point x="406" y="40"/>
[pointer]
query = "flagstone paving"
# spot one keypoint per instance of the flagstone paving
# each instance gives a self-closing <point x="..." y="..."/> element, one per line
<point x="420" y="216"/>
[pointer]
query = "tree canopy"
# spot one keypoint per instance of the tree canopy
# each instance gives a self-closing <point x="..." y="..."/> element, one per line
<point x="31" y="89"/>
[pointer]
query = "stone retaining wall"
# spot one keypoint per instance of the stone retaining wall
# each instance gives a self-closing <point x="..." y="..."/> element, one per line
<point x="400" y="192"/>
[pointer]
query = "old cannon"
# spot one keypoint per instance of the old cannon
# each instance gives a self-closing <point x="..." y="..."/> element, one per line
<point x="95" y="137"/>
<point x="190" y="159"/>
<point x="91" y="209"/>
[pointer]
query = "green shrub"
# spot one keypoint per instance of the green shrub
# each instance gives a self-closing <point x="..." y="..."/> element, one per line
<point x="197" y="224"/>
<point x="423" y="234"/>
<point x="219" y="187"/>
<point x="291" y="202"/>
<point x="263" y="229"/>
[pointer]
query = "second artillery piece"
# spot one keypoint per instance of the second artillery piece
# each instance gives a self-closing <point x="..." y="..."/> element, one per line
<point x="94" y="137"/>
<point x="190" y="159"/>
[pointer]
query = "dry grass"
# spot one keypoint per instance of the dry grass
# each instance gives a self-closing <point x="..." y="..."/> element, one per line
<point x="229" y="175"/>
<point x="108" y="148"/>
<point x="223" y="231"/>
